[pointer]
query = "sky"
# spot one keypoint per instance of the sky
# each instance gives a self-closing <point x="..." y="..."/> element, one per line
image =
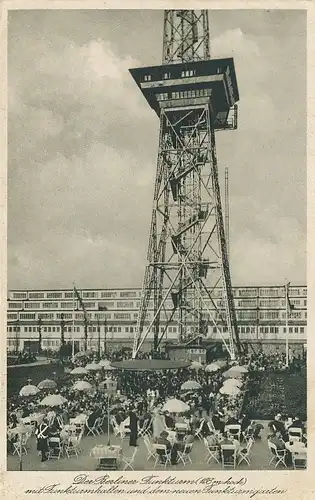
<point x="82" y="146"/>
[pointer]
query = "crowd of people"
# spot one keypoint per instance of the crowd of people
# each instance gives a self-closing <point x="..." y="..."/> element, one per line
<point x="140" y="397"/>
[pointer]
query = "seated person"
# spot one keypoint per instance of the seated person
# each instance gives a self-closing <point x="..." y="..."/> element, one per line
<point x="93" y="416"/>
<point x="169" y="421"/>
<point x="226" y="440"/>
<point x="297" y="423"/>
<point x="276" y="439"/>
<point x="162" y="439"/>
<point x="212" y="440"/>
<point x="187" y="439"/>
<point x="232" y="421"/>
<point x="218" y="423"/>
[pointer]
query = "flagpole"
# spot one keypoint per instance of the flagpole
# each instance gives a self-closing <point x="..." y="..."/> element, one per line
<point x="73" y="323"/>
<point x="286" y="325"/>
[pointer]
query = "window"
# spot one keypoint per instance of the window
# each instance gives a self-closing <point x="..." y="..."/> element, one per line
<point x="80" y="316"/>
<point x="12" y="315"/>
<point x="269" y="314"/>
<point x="102" y="316"/>
<point x="247" y="292"/>
<point x="27" y="316"/>
<point x="294" y="291"/>
<point x="271" y="292"/>
<point x="108" y="295"/>
<point x="45" y="315"/>
<point x="147" y="78"/>
<point x="302" y="329"/>
<point x="128" y="305"/>
<point x="247" y="303"/>
<point x="246" y="315"/>
<point x="50" y="305"/>
<point x="31" y="305"/>
<point x="128" y="294"/>
<point x="263" y="329"/>
<point x="68" y="295"/>
<point x="127" y="329"/>
<point x="295" y="315"/>
<point x="269" y="303"/>
<point x="290" y="329"/>
<point x="122" y="316"/>
<point x="90" y="295"/>
<point x="89" y="305"/>
<point x="20" y="295"/>
<point x="54" y="295"/>
<point x="68" y="305"/>
<point x="162" y="97"/>
<point x="15" y="305"/>
<point x="64" y="315"/>
<point x="36" y="295"/>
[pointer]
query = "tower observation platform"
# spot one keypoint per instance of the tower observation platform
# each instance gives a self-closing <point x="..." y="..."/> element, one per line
<point x="187" y="277"/>
<point x="212" y="82"/>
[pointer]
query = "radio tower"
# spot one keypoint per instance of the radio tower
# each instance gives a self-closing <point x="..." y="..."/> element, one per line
<point x="187" y="278"/>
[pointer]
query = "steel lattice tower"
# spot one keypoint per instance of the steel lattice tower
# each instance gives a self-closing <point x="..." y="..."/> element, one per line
<point x="187" y="278"/>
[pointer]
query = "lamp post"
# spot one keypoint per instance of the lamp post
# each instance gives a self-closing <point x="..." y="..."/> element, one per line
<point x="111" y="388"/>
<point x="85" y="333"/>
<point x="62" y="329"/>
<point x="105" y="336"/>
<point x="98" y="339"/>
<point x="39" y="335"/>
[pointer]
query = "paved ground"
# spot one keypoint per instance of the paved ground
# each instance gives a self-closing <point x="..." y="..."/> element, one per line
<point x="31" y="462"/>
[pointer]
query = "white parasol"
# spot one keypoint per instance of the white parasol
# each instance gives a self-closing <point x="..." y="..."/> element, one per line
<point x="82" y="385"/>
<point x="53" y="400"/>
<point x="29" y="390"/>
<point x="175" y="406"/>
<point x="79" y="370"/>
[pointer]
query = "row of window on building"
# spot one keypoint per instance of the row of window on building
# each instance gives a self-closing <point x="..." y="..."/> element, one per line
<point x="131" y="294"/>
<point x="170" y="329"/>
<point x="241" y="315"/>
<point x="186" y="94"/>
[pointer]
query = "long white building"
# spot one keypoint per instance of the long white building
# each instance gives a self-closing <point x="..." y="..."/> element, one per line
<point x="112" y="316"/>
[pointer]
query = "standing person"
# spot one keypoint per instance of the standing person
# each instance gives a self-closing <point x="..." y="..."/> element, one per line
<point x="42" y="438"/>
<point x="133" y="428"/>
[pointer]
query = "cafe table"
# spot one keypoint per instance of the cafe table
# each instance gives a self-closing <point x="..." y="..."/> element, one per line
<point x="295" y="446"/>
<point x="108" y="457"/>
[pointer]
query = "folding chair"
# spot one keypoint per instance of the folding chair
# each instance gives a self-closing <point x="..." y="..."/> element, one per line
<point x="212" y="452"/>
<point x="94" y="429"/>
<point x="243" y="454"/>
<point x="150" y="449"/>
<point x="228" y="456"/>
<point x="20" y="444"/>
<point x="295" y="434"/>
<point x="144" y="430"/>
<point x="128" y="461"/>
<point x="278" y="456"/>
<point x="162" y="451"/>
<point x="100" y="424"/>
<point x="124" y="431"/>
<point x="184" y="456"/>
<point x="299" y="459"/>
<point x="55" y="448"/>
<point x="198" y="431"/>
<point x="115" y="426"/>
<point x="71" y="447"/>
<point x="233" y="431"/>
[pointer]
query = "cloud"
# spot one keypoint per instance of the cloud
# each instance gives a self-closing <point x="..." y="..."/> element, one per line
<point x="83" y="147"/>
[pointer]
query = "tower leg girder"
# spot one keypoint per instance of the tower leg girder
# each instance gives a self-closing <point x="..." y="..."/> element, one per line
<point x="187" y="254"/>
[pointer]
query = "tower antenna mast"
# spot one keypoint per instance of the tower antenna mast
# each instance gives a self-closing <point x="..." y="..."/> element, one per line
<point x="187" y="278"/>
